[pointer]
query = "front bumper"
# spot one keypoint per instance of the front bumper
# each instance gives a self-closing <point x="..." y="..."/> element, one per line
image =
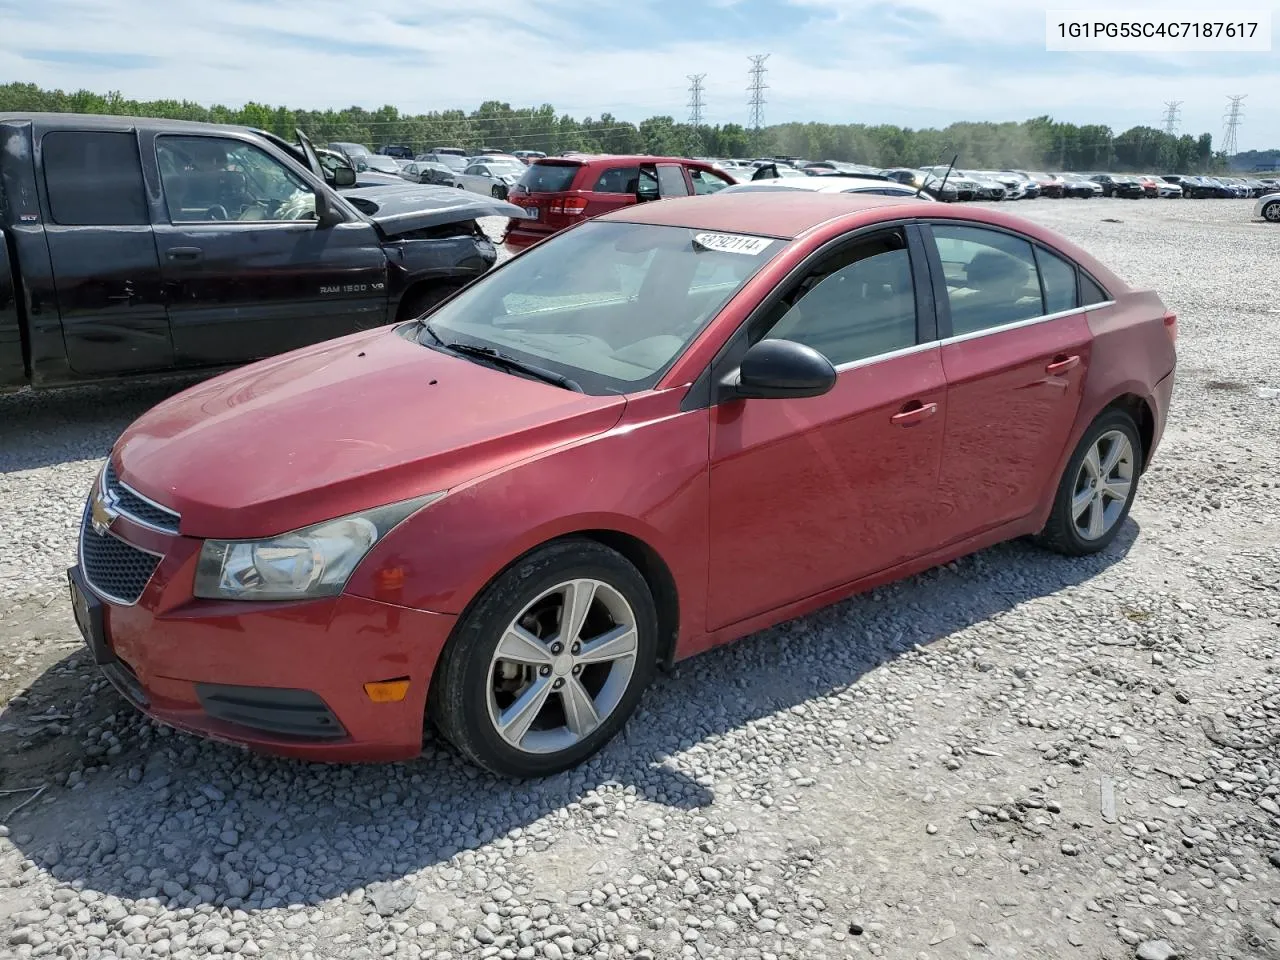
<point x="280" y="678"/>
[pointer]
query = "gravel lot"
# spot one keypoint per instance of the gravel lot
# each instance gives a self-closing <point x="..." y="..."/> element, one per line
<point x="1014" y="756"/>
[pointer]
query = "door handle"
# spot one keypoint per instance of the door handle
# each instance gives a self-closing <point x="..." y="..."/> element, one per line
<point x="1062" y="365"/>
<point x="184" y="253"/>
<point x="913" y="413"/>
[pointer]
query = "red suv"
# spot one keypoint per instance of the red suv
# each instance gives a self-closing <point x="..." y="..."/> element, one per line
<point x="557" y="192"/>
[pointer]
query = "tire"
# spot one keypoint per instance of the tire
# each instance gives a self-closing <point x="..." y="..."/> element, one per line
<point x="474" y="689"/>
<point x="421" y="301"/>
<point x="1271" y="212"/>
<point x="1062" y="533"/>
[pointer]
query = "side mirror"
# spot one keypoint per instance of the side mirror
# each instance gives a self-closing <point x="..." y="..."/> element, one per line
<point x="326" y="215"/>
<point x="780" y="369"/>
<point x="344" y="177"/>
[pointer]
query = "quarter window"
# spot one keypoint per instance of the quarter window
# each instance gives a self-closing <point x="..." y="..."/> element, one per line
<point x="859" y="304"/>
<point x="991" y="278"/>
<point x="618" y="180"/>
<point x="1090" y="292"/>
<point x="215" y="179"/>
<point x="94" y="179"/>
<point x="1059" y="279"/>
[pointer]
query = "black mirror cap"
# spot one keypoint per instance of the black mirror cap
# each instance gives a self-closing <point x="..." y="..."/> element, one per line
<point x="777" y="369"/>
<point x="344" y="177"/>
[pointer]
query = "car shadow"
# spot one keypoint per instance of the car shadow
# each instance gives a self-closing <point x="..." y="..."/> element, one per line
<point x="41" y="428"/>
<point x="194" y="822"/>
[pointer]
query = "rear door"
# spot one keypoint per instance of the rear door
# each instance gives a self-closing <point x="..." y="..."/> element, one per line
<point x="248" y="271"/>
<point x="103" y="253"/>
<point x="1015" y="350"/>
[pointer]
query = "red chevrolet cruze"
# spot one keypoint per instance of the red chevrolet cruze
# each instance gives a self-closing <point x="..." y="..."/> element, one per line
<point x="656" y="432"/>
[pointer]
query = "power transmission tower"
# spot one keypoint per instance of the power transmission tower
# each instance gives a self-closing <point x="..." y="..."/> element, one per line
<point x="1233" y="119"/>
<point x="1171" y="116"/>
<point x="756" y="99"/>
<point x="695" y="99"/>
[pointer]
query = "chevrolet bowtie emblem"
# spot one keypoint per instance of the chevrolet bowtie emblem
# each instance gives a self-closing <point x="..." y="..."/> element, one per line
<point x="102" y="510"/>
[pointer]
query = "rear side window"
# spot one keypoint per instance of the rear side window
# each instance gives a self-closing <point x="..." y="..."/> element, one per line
<point x="618" y="180"/>
<point x="549" y="177"/>
<point x="1090" y="292"/>
<point x="94" y="179"/>
<point x="991" y="278"/>
<point x="1059" y="279"/>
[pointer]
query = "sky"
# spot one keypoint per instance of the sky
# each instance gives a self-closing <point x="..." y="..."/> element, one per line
<point x="837" y="61"/>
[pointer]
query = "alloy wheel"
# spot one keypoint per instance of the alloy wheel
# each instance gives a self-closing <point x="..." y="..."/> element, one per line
<point x="562" y="666"/>
<point x="1272" y="212"/>
<point x="1103" y="485"/>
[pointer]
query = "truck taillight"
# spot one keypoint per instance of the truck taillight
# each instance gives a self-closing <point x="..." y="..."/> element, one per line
<point x="1171" y="325"/>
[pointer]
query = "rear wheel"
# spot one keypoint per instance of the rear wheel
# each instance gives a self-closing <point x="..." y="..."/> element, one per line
<point x="549" y="662"/>
<point x="1097" y="488"/>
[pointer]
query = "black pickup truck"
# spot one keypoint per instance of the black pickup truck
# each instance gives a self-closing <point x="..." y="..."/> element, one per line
<point x="136" y="247"/>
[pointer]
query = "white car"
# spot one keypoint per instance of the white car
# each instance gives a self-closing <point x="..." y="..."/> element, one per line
<point x="492" y="176"/>
<point x="831" y="184"/>
<point x="1268" y="207"/>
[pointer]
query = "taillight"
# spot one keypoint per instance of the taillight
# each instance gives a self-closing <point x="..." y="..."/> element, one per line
<point x="568" y="206"/>
<point x="1171" y="325"/>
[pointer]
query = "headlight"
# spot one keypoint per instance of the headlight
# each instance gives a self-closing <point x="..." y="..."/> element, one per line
<point x="315" y="561"/>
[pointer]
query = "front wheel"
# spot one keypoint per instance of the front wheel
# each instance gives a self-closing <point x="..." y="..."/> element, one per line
<point x="549" y="662"/>
<point x="1097" y="488"/>
<point x="1271" y="212"/>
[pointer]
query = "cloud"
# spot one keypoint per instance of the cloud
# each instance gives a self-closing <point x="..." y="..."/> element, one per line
<point x="871" y="61"/>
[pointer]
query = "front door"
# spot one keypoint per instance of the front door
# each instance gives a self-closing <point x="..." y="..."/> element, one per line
<point x="248" y="271"/>
<point x="809" y="494"/>
<point x="1015" y="350"/>
<point x="103" y="253"/>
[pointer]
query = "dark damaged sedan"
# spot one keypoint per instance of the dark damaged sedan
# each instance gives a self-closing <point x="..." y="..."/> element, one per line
<point x="131" y="246"/>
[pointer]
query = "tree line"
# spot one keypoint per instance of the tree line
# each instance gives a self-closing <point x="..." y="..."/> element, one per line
<point x="1040" y="143"/>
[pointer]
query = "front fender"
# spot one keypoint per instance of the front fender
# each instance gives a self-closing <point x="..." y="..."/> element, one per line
<point x="646" y="478"/>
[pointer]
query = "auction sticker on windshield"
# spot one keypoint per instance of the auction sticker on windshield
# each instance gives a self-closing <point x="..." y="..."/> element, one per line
<point x="732" y="243"/>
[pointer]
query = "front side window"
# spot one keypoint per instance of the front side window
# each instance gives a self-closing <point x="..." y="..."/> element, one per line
<point x="991" y="278"/>
<point x="704" y="182"/>
<point x="217" y="178"/>
<point x="859" y="304"/>
<point x="671" y="182"/>
<point x="94" y="179"/>
<point x="609" y="305"/>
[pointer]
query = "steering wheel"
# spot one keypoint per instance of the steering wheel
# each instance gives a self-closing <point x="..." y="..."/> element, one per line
<point x="218" y="212"/>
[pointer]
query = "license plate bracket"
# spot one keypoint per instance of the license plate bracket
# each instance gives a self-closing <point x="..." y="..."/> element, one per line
<point x="88" y="612"/>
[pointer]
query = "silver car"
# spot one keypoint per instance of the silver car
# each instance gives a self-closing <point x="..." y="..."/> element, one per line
<point x="1268" y="207"/>
<point x="492" y="176"/>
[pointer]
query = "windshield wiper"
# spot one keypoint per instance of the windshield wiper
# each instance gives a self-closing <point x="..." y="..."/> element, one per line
<point x="501" y="359"/>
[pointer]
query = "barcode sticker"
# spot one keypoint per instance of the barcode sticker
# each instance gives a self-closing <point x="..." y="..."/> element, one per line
<point x="732" y="243"/>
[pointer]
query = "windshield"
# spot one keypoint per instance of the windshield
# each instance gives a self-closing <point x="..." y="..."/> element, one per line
<point x="608" y="305"/>
<point x="376" y="161"/>
<point x="451" y="160"/>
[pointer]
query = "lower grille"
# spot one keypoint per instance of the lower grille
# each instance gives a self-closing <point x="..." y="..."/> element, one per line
<point x="117" y="570"/>
<point x="288" y="713"/>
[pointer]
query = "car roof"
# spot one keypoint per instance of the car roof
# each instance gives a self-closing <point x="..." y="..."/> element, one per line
<point x="103" y="121"/>
<point x="785" y="214"/>
<point x="596" y="159"/>
<point x="833" y="184"/>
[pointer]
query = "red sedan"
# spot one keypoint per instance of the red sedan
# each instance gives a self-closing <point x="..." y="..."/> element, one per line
<point x="656" y="432"/>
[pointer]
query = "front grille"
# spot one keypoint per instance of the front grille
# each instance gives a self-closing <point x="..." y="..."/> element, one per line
<point x="137" y="507"/>
<point x="117" y="570"/>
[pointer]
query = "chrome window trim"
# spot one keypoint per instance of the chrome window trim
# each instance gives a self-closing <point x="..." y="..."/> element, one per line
<point x="1018" y="324"/>
<point x="961" y="338"/>
<point x="84" y="573"/>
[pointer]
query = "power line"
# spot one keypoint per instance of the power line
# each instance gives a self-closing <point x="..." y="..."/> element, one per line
<point x="695" y="99"/>
<point x="756" y="90"/>
<point x="1171" y="116"/>
<point x="1233" y="118"/>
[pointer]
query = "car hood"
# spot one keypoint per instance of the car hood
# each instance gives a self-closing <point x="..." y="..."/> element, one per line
<point x="339" y="427"/>
<point x="401" y="207"/>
